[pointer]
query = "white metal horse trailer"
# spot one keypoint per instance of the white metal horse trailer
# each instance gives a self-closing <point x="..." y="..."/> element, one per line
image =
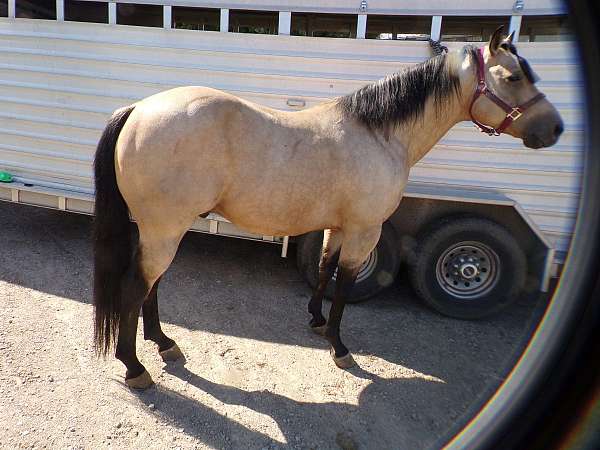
<point x="481" y="205"/>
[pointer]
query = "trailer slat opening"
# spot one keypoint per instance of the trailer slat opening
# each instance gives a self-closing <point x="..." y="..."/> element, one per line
<point x="546" y="29"/>
<point x="140" y="15"/>
<point x="324" y="25"/>
<point x="256" y="22"/>
<point x="36" y="9"/>
<point x="203" y="19"/>
<point x="406" y="28"/>
<point x="471" y="28"/>
<point x="83" y="11"/>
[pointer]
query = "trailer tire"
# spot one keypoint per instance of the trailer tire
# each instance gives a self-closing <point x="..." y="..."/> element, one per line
<point x="377" y="273"/>
<point x="468" y="268"/>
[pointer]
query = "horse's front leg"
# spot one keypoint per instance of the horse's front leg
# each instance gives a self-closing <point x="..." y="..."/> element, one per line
<point x="356" y="247"/>
<point x="330" y="254"/>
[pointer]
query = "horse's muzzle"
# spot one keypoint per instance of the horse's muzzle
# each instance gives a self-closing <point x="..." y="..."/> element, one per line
<point x="546" y="136"/>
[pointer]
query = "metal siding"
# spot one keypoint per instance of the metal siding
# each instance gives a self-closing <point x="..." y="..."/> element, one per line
<point x="59" y="82"/>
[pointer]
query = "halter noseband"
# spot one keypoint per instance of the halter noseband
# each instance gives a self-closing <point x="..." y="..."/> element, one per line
<point x="512" y="113"/>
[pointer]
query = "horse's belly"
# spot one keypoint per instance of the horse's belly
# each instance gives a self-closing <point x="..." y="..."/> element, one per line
<point x="275" y="219"/>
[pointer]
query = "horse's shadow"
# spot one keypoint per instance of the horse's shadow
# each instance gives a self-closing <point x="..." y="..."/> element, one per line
<point x="305" y="424"/>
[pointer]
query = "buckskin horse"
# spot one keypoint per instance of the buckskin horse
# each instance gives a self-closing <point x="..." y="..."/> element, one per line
<point x="340" y="166"/>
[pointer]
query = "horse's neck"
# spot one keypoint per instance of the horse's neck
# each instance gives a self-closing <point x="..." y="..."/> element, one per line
<point x="419" y="136"/>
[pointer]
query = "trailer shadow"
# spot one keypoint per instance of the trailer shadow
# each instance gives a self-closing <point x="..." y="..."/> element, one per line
<point x="244" y="289"/>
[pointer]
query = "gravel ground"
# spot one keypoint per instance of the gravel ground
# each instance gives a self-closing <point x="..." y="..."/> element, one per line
<point x="255" y="376"/>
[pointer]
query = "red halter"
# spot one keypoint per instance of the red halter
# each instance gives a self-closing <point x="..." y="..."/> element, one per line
<point x="512" y="113"/>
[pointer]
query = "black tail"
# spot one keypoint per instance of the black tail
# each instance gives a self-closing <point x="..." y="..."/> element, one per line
<point x="112" y="236"/>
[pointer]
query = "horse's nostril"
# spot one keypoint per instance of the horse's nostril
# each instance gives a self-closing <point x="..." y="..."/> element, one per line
<point x="558" y="129"/>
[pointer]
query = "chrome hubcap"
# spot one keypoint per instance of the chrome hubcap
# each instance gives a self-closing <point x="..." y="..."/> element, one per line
<point x="468" y="270"/>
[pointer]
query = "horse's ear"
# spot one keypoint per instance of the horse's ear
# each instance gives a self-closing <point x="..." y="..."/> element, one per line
<point x="495" y="40"/>
<point x="510" y="37"/>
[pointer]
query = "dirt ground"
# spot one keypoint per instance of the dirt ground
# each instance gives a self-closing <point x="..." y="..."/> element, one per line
<point x="255" y="376"/>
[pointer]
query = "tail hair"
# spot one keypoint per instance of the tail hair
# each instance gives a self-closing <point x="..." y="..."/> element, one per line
<point x="112" y="238"/>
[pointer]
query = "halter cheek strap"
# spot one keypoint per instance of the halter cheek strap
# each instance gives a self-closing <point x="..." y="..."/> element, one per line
<point x="512" y="112"/>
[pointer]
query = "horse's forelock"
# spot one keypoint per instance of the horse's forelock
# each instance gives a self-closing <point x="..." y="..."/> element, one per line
<point x="527" y="70"/>
<point x="525" y="67"/>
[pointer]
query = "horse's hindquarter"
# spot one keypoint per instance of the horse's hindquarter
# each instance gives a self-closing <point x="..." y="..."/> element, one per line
<point x="170" y="154"/>
<point x="191" y="150"/>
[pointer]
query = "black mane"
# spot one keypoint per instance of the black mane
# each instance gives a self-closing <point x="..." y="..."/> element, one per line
<point x="401" y="97"/>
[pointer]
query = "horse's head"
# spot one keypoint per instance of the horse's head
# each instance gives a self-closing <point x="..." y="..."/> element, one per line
<point x="508" y="96"/>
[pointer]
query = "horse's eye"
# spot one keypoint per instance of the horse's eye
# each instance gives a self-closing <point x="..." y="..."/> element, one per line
<point x="514" y="77"/>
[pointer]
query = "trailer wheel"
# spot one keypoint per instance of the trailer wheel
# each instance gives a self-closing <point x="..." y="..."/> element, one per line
<point x="377" y="272"/>
<point x="468" y="268"/>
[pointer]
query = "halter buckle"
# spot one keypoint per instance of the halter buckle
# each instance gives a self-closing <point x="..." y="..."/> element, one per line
<point x="515" y="114"/>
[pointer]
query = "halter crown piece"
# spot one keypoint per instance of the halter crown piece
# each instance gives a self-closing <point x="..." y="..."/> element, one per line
<point x="512" y="112"/>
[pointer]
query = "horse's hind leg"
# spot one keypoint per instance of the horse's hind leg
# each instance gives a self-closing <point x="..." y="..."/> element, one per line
<point x="167" y="348"/>
<point x="332" y="241"/>
<point x="135" y="289"/>
<point x="155" y="252"/>
<point x="356" y="247"/>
